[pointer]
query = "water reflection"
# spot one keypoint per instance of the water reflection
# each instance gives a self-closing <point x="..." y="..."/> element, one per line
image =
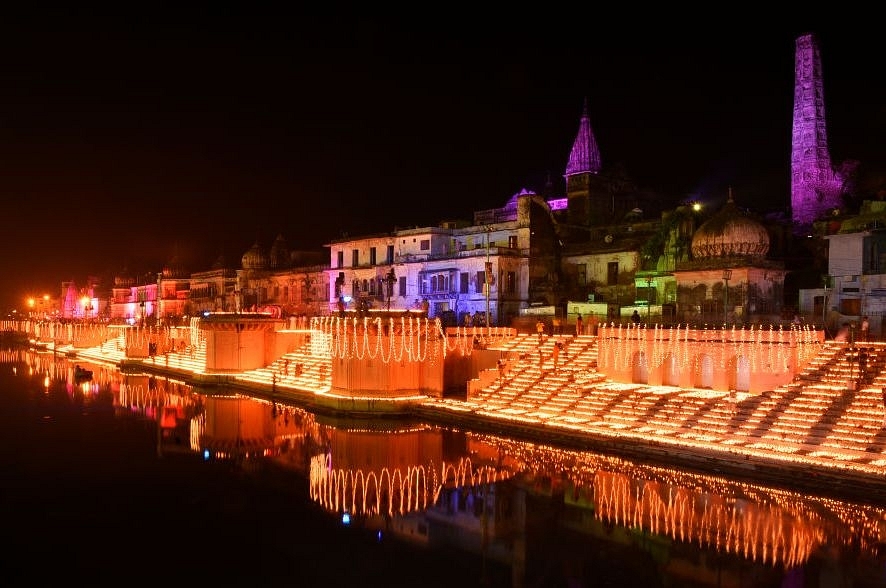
<point x="501" y="497"/>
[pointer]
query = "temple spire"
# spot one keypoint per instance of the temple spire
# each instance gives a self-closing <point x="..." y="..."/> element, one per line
<point x="585" y="156"/>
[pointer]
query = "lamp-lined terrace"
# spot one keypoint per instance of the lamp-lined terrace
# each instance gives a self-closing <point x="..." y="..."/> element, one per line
<point x="826" y="416"/>
<point x="805" y="421"/>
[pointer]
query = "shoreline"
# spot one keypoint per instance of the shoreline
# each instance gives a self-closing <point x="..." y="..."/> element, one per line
<point x="821" y="475"/>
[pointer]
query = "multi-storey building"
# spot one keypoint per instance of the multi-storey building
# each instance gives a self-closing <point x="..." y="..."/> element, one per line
<point x="855" y="283"/>
<point x="465" y="273"/>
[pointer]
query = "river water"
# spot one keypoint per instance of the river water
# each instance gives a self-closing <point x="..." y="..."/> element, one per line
<point x="138" y="478"/>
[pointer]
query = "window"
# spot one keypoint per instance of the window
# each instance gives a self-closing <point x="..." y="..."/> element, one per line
<point x="339" y="284"/>
<point x="464" y="278"/>
<point x="612" y="273"/>
<point x="341" y="259"/>
<point x="390" y="254"/>
<point x="511" y="282"/>
<point x="512" y="241"/>
<point x="403" y="286"/>
<point x="481" y="281"/>
<point x="372" y="254"/>
<point x="581" y="274"/>
<point x="425" y="245"/>
<point x="355" y="258"/>
<point x="439" y="283"/>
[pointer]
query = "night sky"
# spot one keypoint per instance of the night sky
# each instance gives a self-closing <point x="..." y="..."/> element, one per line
<point x="126" y="140"/>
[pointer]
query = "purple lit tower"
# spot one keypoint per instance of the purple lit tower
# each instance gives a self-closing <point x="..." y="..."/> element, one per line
<point x="815" y="186"/>
<point x="582" y="191"/>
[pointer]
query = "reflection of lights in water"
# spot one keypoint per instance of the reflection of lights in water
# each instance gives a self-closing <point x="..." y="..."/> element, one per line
<point x="752" y="521"/>
<point x="392" y="491"/>
<point x="760" y="523"/>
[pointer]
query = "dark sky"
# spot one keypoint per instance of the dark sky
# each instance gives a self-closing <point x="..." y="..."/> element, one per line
<point x="126" y="140"/>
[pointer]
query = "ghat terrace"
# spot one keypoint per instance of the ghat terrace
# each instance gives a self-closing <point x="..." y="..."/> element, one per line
<point x="786" y="398"/>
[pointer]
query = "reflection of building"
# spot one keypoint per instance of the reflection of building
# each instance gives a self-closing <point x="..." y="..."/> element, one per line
<point x="237" y="427"/>
<point x="372" y="474"/>
<point x="687" y="521"/>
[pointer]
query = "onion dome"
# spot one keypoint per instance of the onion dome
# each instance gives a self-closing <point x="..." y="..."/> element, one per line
<point x="730" y="233"/>
<point x="280" y="257"/>
<point x="255" y="258"/>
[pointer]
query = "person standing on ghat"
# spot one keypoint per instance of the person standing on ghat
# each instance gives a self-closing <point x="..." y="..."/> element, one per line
<point x="579" y="327"/>
<point x="865" y="328"/>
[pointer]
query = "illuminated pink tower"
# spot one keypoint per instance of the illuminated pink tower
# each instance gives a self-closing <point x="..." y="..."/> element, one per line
<point x="815" y="186"/>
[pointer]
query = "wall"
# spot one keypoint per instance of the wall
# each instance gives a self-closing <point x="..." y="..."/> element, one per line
<point x="734" y="359"/>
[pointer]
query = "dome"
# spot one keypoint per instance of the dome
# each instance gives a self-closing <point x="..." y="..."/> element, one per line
<point x="730" y="233"/>
<point x="255" y="258"/>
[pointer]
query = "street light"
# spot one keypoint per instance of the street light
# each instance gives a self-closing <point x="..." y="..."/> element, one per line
<point x="488" y="274"/>
<point x="727" y="274"/>
<point x="648" y="297"/>
<point x="390" y="278"/>
<point x="87" y="306"/>
<point x="824" y="303"/>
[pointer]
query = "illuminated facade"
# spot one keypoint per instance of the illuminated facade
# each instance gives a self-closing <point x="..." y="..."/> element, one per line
<point x="459" y="272"/>
<point x="855" y="285"/>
